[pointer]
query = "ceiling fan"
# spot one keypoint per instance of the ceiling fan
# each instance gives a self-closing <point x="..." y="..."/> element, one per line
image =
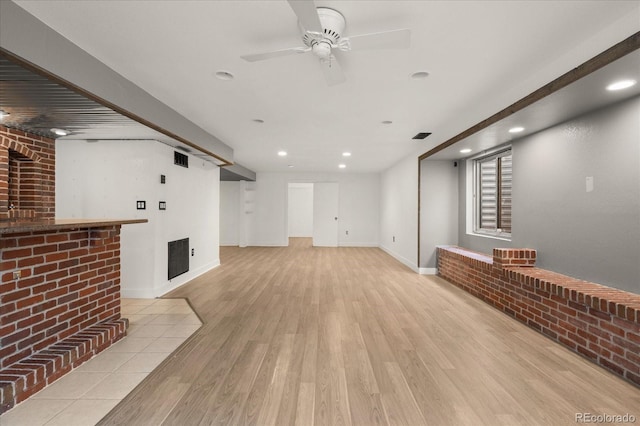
<point x="322" y="31"/>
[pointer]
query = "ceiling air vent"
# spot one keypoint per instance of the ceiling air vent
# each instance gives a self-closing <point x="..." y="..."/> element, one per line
<point x="421" y="135"/>
<point x="180" y="159"/>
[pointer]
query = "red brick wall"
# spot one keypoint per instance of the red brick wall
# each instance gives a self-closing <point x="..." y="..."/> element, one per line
<point x="600" y="323"/>
<point x="34" y="158"/>
<point x="70" y="280"/>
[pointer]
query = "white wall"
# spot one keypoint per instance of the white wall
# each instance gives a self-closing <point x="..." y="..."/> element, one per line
<point x="104" y="179"/>
<point x="300" y="210"/>
<point x="399" y="211"/>
<point x="359" y="203"/>
<point x="438" y="210"/>
<point x="230" y="213"/>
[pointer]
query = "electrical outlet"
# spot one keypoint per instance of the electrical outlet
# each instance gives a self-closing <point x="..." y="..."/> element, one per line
<point x="193" y="252"/>
<point x="17" y="275"/>
<point x="394" y="238"/>
<point x="346" y="232"/>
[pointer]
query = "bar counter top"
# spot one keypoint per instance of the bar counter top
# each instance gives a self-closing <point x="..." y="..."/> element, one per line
<point x="14" y="227"/>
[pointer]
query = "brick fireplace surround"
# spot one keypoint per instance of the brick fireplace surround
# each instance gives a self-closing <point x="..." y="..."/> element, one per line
<point x="27" y="175"/>
<point x="60" y="279"/>
<point x="600" y="323"/>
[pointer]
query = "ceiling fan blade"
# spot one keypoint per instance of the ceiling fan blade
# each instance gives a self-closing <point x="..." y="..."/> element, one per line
<point x="394" y="39"/>
<point x="274" y="54"/>
<point x="332" y="71"/>
<point x="307" y="14"/>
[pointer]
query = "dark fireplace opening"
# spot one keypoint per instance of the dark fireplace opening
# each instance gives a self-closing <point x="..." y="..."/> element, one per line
<point x="178" y="257"/>
<point x="23" y="190"/>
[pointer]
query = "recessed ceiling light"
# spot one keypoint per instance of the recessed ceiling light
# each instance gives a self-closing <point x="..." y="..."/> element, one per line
<point x="620" y="85"/>
<point x="387" y="122"/>
<point x="290" y="166"/>
<point x="60" y="132"/>
<point x="346" y="154"/>
<point x="342" y="166"/>
<point x="224" y="75"/>
<point x="465" y="151"/>
<point x="516" y="129"/>
<point x="419" y="75"/>
<point x="282" y="153"/>
<point x="258" y="120"/>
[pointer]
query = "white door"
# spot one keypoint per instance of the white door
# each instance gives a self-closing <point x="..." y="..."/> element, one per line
<point x="325" y="214"/>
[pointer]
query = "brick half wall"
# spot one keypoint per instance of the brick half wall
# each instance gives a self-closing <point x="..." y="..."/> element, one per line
<point x="600" y="323"/>
<point x="69" y="283"/>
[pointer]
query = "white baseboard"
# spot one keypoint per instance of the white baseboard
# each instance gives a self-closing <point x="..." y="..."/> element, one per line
<point x="254" y="244"/>
<point x="428" y="271"/>
<point x="229" y="244"/>
<point x="401" y="259"/>
<point x="183" y="279"/>
<point x="136" y="293"/>
<point x="350" y="244"/>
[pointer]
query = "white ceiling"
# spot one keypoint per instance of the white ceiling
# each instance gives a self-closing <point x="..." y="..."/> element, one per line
<point x="582" y="96"/>
<point x="481" y="55"/>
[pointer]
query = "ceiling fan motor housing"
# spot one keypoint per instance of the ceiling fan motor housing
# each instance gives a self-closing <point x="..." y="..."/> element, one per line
<point x="333" y="24"/>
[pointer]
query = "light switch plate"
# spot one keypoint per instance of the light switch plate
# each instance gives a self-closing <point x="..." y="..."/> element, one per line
<point x="589" y="183"/>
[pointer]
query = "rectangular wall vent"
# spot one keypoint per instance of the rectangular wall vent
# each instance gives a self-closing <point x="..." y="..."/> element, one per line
<point x="421" y="135"/>
<point x="178" y="257"/>
<point x="180" y="159"/>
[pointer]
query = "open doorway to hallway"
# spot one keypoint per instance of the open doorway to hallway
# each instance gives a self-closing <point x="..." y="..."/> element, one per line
<point x="300" y="210"/>
<point x="312" y="212"/>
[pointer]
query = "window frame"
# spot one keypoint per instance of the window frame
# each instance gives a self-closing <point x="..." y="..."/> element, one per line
<point x="476" y="183"/>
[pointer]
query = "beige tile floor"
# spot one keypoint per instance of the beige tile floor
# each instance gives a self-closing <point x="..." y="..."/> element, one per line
<point x="156" y="328"/>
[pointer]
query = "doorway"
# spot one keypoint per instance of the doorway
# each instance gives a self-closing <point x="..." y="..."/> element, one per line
<point x="325" y="214"/>
<point x="312" y="212"/>
<point x="300" y="210"/>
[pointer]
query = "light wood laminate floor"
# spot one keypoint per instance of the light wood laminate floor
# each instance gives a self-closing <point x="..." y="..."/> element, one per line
<point x="348" y="336"/>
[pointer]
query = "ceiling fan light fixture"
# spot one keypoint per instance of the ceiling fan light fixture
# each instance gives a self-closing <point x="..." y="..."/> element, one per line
<point x="321" y="49"/>
<point x="322" y="31"/>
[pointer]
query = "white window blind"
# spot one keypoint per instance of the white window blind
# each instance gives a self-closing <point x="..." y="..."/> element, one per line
<point x="494" y="192"/>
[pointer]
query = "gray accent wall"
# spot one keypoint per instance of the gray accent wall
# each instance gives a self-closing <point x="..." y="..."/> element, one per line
<point x="438" y="208"/>
<point x="590" y="231"/>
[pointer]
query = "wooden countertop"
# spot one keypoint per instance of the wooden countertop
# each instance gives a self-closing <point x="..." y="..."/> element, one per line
<point x="13" y="227"/>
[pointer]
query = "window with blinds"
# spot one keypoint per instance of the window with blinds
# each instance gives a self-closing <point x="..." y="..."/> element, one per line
<point x="493" y="189"/>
